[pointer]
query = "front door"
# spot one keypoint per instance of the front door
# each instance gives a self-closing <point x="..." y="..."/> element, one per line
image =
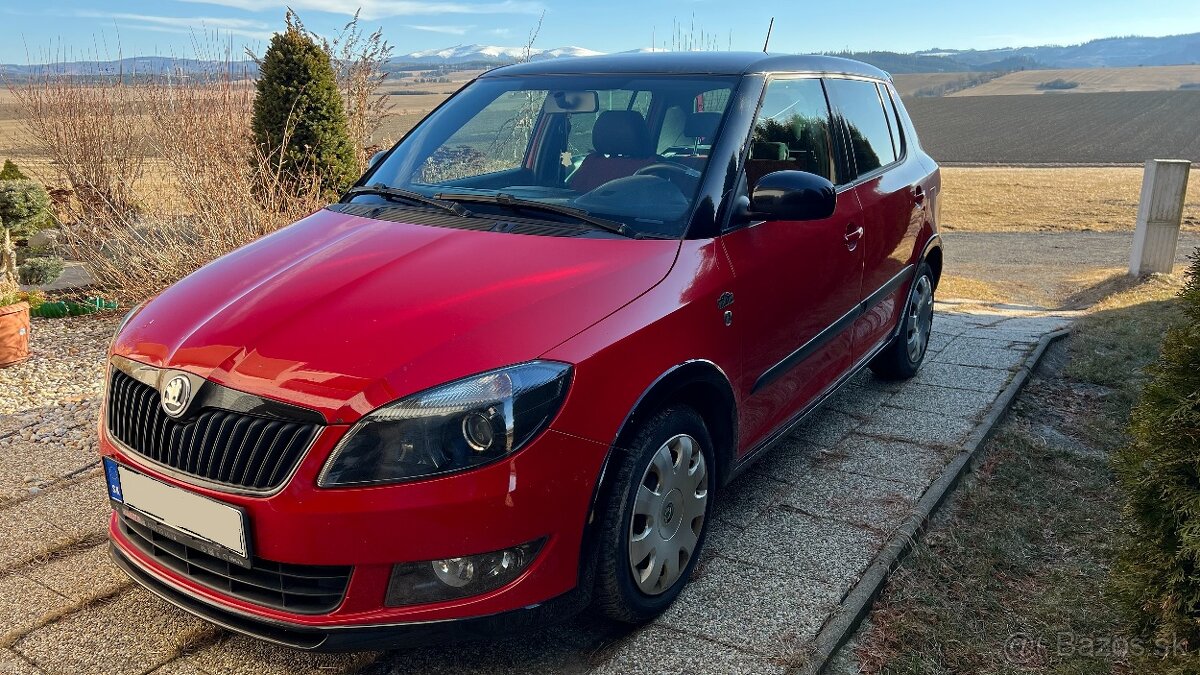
<point x="886" y="189"/>
<point x="796" y="283"/>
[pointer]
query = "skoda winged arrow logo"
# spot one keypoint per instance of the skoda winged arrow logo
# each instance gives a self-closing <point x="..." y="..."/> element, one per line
<point x="175" y="395"/>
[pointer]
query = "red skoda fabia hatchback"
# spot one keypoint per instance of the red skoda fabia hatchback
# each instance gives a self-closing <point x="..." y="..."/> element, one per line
<point x="505" y="375"/>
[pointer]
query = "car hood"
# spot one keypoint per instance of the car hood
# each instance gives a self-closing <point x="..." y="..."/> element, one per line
<point x="343" y="314"/>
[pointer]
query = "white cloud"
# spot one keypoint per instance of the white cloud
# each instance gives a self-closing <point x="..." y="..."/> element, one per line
<point x="184" y="24"/>
<point x="448" y="30"/>
<point x="380" y="9"/>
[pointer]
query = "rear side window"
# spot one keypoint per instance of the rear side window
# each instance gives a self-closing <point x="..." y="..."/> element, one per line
<point x="858" y="104"/>
<point x="889" y="102"/>
<point x="792" y="131"/>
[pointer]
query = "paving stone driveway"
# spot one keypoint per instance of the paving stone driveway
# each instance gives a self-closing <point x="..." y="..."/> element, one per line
<point x="788" y="539"/>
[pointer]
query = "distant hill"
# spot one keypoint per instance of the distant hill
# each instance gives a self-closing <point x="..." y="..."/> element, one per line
<point x="133" y="67"/>
<point x="895" y="63"/>
<point x="1115" y="52"/>
<point x="1104" y="53"/>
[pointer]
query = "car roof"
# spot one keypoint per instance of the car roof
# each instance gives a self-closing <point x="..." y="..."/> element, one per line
<point x="682" y="63"/>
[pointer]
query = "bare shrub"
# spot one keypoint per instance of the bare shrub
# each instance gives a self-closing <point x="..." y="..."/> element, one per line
<point x="231" y="192"/>
<point x="225" y="192"/>
<point x="92" y="129"/>
<point x="358" y="61"/>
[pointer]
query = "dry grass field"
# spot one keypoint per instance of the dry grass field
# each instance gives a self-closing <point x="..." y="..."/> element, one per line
<point x="1091" y="81"/>
<point x="1058" y="199"/>
<point x="1107" y="128"/>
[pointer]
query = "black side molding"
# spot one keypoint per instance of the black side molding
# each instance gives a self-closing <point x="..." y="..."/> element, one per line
<point x="833" y="330"/>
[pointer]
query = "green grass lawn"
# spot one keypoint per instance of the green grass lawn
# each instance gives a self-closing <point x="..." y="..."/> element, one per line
<point x="1012" y="576"/>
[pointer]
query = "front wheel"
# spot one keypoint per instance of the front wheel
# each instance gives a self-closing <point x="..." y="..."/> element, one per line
<point x="902" y="358"/>
<point x="654" y="525"/>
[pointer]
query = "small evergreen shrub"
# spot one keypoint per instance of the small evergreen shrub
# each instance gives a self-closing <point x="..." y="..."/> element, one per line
<point x="24" y="205"/>
<point x="11" y="172"/>
<point x="1158" y="565"/>
<point x="41" y="271"/>
<point x="299" y="118"/>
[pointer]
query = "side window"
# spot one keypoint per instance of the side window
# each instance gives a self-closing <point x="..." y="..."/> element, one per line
<point x="858" y="105"/>
<point x="792" y="131"/>
<point x="889" y="102"/>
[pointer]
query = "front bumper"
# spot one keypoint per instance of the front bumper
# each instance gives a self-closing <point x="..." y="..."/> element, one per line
<point x="543" y="491"/>
<point x="357" y="638"/>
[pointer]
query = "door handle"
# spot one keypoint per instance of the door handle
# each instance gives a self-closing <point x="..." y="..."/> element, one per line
<point x="853" y="234"/>
<point x="919" y="194"/>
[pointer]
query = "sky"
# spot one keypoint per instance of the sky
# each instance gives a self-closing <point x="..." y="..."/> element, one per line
<point x="33" y="32"/>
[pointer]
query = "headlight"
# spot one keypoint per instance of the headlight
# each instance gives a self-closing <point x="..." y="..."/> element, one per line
<point x="460" y="425"/>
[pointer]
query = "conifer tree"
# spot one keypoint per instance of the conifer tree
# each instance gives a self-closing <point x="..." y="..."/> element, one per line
<point x="299" y="118"/>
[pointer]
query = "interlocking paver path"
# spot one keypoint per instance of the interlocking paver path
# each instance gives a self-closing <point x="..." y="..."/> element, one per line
<point x="788" y="539"/>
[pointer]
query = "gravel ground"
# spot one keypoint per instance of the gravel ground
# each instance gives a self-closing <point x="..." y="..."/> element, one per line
<point x="49" y="405"/>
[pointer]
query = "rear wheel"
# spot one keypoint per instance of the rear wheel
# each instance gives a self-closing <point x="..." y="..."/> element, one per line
<point x="902" y="358"/>
<point x="654" y="525"/>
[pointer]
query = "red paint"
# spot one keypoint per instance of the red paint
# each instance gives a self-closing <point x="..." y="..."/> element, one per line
<point x="343" y="314"/>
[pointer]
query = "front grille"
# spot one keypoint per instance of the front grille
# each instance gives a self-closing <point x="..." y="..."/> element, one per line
<point x="303" y="589"/>
<point x="226" y="447"/>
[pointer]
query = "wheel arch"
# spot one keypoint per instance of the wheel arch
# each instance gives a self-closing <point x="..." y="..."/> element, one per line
<point x="933" y="255"/>
<point x="699" y="384"/>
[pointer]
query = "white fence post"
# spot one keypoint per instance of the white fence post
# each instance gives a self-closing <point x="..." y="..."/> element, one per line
<point x="1160" y="212"/>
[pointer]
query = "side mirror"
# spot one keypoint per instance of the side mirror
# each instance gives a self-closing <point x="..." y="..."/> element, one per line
<point x="375" y="159"/>
<point x="793" y="195"/>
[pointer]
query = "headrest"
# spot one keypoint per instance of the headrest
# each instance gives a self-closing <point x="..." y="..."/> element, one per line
<point x="769" y="150"/>
<point x="621" y="132"/>
<point x="701" y="125"/>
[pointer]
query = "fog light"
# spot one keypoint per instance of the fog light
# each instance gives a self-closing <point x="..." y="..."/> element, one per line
<point x="455" y="572"/>
<point x="420" y="582"/>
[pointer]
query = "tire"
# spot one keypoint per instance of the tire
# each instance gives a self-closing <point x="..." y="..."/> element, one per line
<point x="902" y="358"/>
<point x="662" y="486"/>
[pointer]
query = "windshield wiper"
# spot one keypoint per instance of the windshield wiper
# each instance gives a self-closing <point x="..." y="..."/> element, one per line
<point x="516" y="203"/>
<point x="411" y="196"/>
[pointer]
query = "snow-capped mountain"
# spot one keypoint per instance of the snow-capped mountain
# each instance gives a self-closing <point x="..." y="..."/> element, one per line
<point x="488" y="53"/>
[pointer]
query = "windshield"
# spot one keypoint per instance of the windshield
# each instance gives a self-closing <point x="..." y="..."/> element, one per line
<point x="625" y="149"/>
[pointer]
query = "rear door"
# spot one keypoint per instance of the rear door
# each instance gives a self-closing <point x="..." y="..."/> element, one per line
<point x="796" y="283"/>
<point x="886" y="183"/>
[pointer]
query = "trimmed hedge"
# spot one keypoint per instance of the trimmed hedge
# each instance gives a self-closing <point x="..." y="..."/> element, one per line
<point x="1158" y="564"/>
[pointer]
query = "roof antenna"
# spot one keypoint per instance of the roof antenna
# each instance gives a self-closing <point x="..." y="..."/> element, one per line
<point x="768" y="40"/>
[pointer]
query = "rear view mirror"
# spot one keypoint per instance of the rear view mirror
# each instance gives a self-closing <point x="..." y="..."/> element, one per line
<point x="793" y="195"/>
<point x="572" y="102"/>
<point x="375" y="159"/>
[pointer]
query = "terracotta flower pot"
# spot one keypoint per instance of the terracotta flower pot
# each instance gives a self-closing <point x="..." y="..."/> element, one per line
<point x="14" y="333"/>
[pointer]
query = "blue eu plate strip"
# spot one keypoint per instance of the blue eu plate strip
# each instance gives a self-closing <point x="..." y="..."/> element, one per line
<point x="114" y="479"/>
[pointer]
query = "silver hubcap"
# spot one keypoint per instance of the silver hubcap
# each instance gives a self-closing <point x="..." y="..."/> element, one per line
<point x="668" y="514"/>
<point x="920" y="318"/>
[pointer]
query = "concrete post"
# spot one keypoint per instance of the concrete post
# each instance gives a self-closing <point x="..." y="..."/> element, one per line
<point x="1160" y="212"/>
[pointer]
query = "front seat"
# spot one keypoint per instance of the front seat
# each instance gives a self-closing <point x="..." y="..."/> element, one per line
<point x="621" y="145"/>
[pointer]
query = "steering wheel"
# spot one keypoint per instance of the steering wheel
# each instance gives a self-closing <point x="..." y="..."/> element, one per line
<point x="671" y="170"/>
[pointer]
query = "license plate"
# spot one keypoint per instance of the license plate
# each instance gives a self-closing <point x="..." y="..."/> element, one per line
<point x="211" y="526"/>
